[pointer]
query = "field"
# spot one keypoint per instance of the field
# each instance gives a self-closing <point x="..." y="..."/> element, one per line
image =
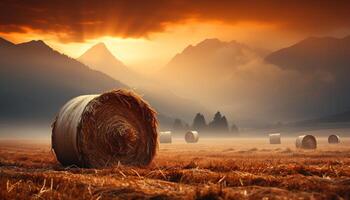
<point x="248" y="168"/>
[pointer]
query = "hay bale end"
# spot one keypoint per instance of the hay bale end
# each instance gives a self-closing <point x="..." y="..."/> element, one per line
<point x="102" y="130"/>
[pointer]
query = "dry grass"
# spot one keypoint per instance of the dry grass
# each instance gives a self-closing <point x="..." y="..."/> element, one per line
<point x="235" y="169"/>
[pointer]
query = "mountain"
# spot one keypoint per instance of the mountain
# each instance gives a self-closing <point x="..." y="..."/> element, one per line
<point x="35" y="80"/>
<point x="164" y="100"/>
<point x="99" y="57"/>
<point x="4" y="43"/>
<point x="315" y="53"/>
<point x="212" y="72"/>
<point x="210" y="58"/>
<point x="307" y="80"/>
<point x="325" y="61"/>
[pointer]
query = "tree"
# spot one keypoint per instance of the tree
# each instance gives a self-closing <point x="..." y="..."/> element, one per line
<point x="199" y="123"/>
<point x="178" y="125"/>
<point x="234" y="129"/>
<point x="219" y="123"/>
<point x="217" y="117"/>
<point x="224" y="125"/>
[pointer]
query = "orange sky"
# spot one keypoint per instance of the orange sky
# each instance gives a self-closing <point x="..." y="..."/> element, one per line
<point x="147" y="34"/>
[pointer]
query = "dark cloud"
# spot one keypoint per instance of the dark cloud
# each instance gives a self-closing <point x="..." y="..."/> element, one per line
<point x="79" y="20"/>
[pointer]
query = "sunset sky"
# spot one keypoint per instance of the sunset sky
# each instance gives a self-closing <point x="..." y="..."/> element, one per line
<point x="147" y="34"/>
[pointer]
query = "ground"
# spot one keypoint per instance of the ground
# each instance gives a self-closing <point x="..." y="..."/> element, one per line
<point x="248" y="168"/>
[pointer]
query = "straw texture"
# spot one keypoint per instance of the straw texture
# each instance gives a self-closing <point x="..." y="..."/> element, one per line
<point x="333" y="139"/>
<point x="102" y="130"/>
<point x="306" y="142"/>
<point x="192" y="137"/>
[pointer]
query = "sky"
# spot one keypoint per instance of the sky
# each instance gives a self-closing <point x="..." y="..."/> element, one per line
<point x="145" y="35"/>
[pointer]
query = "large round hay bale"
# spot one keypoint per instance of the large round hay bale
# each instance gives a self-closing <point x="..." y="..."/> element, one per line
<point x="192" y="137"/>
<point x="306" y="142"/>
<point x="333" y="139"/>
<point x="165" y="137"/>
<point x="102" y="130"/>
<point x="275" y="138"/>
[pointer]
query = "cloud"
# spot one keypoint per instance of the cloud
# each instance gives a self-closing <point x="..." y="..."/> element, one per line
<point x="80" y="20"/>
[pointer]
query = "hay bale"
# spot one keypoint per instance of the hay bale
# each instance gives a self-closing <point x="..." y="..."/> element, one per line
<point x="165" y="137"/>
<point x="102" y="130"/>
<point x="306" y="142"/>
<point x="275" y="138"/>
<point x="333" y="139"/>
<point x="192" y="137"/>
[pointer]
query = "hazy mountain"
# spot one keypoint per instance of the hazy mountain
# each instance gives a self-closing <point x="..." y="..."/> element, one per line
<point x="208" y="60"/>
<point x="325" y="61"/>
<point x="304" y="81"/>
<point x="4" y="43"/>
<point x="212" y="72"/>
<point x="166" y="102"/>
<point x="315" y="54"/>
<point x="35" y="80"/>
<point x="100" y="58"/>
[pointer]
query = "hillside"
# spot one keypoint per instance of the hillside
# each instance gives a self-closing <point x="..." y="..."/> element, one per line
<point x="210" y="58"/>
<point x="36" y="80"/>
<point x="98" y="57"/>
<point x="315" y="53"/>
<point x="323" y="61"/>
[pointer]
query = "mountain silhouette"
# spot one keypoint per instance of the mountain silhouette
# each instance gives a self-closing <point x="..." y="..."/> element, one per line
<point x="164" y="100"/>
<point x="35" y="80"/>
<point x="314" y="54"/>
<point x="5" y="43"/>
<point x="325" y="61"/>
<point x="312" y="78"/>
<point x="208" y="61"/>
<point x="206" y="72"/>
<point x="100" y="58"/>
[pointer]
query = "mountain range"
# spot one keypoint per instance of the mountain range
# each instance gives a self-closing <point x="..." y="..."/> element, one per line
<point x="165" y="101"/>
<point x="100" y="58"/>
<point x="208" y="60"/>
<point x="36" y="80"/>
<point x="325" y="61"/>
<point x="315" y="54"/>
<point x="304" y="81"/>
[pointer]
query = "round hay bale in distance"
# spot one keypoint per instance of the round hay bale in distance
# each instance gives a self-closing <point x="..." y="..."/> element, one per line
<point x="306" y="142"/>
<point x="275" y="138"/>
<point x="192" y="137"/>
<point x="102" y="130"/>
<point x="333" y="139"/>
<point x="165" y="137"/>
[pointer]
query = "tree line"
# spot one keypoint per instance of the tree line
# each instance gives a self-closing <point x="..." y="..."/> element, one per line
<point x="218" y="125"/>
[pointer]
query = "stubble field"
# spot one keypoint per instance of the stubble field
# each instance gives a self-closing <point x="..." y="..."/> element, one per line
<point x="248" y="168"/>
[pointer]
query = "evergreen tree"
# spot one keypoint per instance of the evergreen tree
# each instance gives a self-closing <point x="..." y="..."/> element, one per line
<point x="234" y="129"/>
<point x="224" y="125"/>
<point x="219" y="123"/>
<point x="199" y="123"/>
<point x="178" y="126"/>
<point x="217" y="117"/>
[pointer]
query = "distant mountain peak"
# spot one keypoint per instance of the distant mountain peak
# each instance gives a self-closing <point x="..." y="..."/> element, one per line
<point x="99" y="50"/>
<point x="4" y="42"/>
<point x="322" y="53"/>
<point x="35" y="44"/>
<point x="100" y="58"/>
<point x="100" y="46"/>
<point x="211" y="42"/>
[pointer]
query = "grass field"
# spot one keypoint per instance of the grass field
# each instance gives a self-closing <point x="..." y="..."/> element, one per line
<point x="211" y="169"/>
